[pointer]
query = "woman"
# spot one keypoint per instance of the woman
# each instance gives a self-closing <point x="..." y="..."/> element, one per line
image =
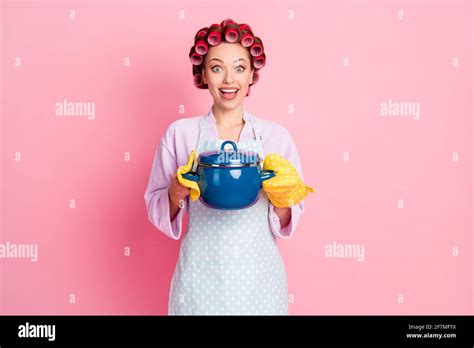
<point x="229" y="262"/>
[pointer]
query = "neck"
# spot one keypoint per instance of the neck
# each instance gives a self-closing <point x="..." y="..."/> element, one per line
<point x="228" y="118"/>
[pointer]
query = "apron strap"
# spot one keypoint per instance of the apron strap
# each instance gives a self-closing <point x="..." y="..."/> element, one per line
<point x="202" y="128"/>
<point x="202" y="125"/>
<point x="255" y="128"/>
<point x="257" y="137"/>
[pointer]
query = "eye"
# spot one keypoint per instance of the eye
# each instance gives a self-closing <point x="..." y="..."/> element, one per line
<point x="217" y="66"/>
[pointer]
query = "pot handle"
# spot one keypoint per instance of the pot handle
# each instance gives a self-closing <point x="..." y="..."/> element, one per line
<point x="191" y="176"/>
<point x="267" y="174"/>
<point x="229" y="142"/>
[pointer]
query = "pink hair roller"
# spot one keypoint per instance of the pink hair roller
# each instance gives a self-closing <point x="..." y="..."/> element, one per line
<point x="225" y="22"/>
<point x="214" y="38"/>
<point x="244" y="27"/>
<point x="255" y="77"/>
<point x="259" y="62"/>
<point x="256" y="49"/>
<point x="196" y="58"/>
<point x="247" y="40"/>
<point x="201" y="33"/>
<point x="198" y="80"/>
<point x="201" y="47"/>
<point x="231" y="35"/>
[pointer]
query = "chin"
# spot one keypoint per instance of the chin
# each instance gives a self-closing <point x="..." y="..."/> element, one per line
<point x="230" y="106"/>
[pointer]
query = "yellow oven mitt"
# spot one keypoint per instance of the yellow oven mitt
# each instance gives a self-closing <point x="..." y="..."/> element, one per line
<point x="285" y="188"/>
<point x="193" y="185"/>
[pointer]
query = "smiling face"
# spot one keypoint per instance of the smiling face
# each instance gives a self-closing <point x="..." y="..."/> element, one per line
<point x="228" y="67"/>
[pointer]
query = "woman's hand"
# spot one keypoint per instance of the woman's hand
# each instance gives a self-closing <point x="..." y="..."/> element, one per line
<point x="176" y="192"/>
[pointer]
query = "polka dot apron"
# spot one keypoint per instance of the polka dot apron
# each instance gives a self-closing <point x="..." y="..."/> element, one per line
<point x="229" y="262"/>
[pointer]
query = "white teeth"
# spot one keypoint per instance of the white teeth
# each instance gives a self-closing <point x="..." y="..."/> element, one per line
<point x="229" y="90"/>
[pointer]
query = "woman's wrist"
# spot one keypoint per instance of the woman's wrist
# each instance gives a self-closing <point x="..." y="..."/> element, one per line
<point x="284" y="214"/>
<point x="174" y="207"/>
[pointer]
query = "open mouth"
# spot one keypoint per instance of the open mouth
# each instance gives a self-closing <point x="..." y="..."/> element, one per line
<point x="229" y="93"/>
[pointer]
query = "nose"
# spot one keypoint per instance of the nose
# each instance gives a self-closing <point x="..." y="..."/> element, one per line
<point x="228" y="78"/>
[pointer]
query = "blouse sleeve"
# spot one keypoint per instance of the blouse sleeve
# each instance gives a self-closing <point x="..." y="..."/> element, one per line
<point x="290" y="153"/>
<point x="156" y="195"/>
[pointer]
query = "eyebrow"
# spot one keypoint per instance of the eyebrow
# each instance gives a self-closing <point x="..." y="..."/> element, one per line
<point x="223" y="62"/>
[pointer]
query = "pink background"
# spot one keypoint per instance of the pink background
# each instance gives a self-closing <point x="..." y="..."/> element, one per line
<point x="409" y="266"/>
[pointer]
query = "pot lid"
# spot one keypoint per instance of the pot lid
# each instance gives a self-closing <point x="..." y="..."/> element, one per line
<point x="233" y="157"/>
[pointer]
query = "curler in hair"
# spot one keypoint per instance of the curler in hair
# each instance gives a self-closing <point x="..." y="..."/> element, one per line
<point x="231" y="35"/>
<point x="196" y="58"/>
<point x="244" y="27"/>
<point x="227" y="21"/>
<point x="259" y="62"/>
<point x="201" y="47"/>
<point x="198" y="81"/>
<point x="247" y="39"/>
<point x="202" y="33"/>
<point x="256" y="49"/>
<point x="214" y="38"/>
<point x="255" y="77"/>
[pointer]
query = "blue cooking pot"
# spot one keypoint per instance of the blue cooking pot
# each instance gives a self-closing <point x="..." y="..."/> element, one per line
<point x="229" y="180"/>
